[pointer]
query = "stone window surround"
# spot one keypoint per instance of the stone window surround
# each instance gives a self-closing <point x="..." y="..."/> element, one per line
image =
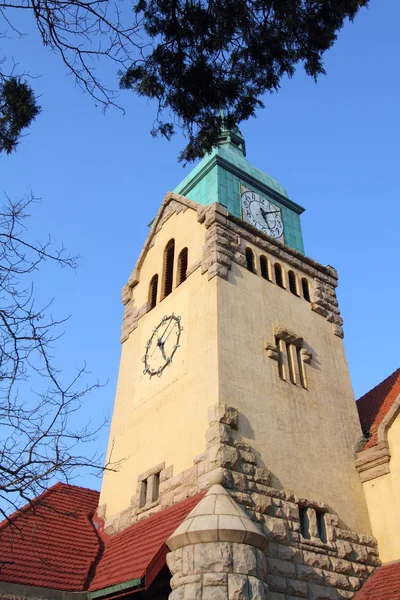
<point x="149" y="481"/>
<point x="312" y="518"/>
<point x="290" y="338"/>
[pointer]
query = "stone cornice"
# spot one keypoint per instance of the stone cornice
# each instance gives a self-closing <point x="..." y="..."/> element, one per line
<point x="373" y="462"/>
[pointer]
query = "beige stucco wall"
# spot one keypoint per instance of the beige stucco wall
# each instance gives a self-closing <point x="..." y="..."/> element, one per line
<point x="164" y="419"/>
<point x="306" y="437"/>
<point x="383" y="499"/>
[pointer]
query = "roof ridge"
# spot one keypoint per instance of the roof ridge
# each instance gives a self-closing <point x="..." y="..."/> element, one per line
<point x="38" y="500"/>
<point x="380" y="383"/>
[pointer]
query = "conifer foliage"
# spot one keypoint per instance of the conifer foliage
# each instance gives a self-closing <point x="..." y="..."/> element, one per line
<point x="193" y="57"/>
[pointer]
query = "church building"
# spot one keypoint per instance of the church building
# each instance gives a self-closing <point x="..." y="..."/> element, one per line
<point x="244" y="470"/>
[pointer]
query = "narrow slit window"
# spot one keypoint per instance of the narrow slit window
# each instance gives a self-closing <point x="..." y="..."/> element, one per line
<point x="278" y="275"/>
<point x="321" y="526"/>
<point x="304" y="523"/>
<point x="156" y="487"/>
<point x="153" y="287"/>
<point x="143" y="493"/>
<point x="169" y="254"/>
<point x="302" y="373"/>
<point x="292" y="283"/>
<point x="289" y="354"/>
<point x="264" y="267"/>
<point x="306" y="289"/>
<point x="250" y="260"/>
<point x="182" y="265"/>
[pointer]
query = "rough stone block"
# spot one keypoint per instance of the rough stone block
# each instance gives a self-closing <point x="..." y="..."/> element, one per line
<point x="227" y="456"/>
<point x="215" y="593"/>
<point x="312" y="559"/>
<point x="213" y="557"/>
<point x="336" y="580"/>
<point x="343" y="566"/>
<point x="281" y="567"/>
<point x="237" y="587"/>
<point x="257" y="590"/>
<point x="217" y="433"/>
<point x="244" y="559"/>
<point x="261" y="564"/>
<point x="262" y="503"/>
<point x="177" y="594"/>
<point x="192" y="591"/>
<point x="215" y="579"/>
<point x="298" y="588"/>
<point x="275" y="529"/>
<point x="311" y="574"/>
<point x="188" y="560"/>
<point x="289" y="553"/>
<point x="277" y="583"/>
<point x="319" y="592"/>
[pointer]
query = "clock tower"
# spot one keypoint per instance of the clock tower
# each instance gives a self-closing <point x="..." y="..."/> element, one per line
<point x="233" y="365"/>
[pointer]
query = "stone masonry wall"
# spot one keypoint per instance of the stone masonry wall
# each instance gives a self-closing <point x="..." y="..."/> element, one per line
<point x="297" y="567"/>
<point x="218" y="571"/>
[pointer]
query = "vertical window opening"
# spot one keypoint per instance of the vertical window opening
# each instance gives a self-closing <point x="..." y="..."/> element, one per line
<point x="169" y="254"/>
<point x="321" y="527"/>
<point x="156" y="487"/>
<point x="301" y="369"/>
<point x="143" y="493"/>
<point x="304" y="523"/>
<point x="153" y="291"/>
<point x="264" y="267"/>
<point x="278" y="275"/>
<point x="289" y="353"/>
<point x="182" y="265"/>
<point x="250" y="260"/>
<point x="292" y="283"/>
<point x="306" y="289"/>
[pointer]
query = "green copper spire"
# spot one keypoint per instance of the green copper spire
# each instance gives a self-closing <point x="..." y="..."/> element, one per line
<point x="223" y="174"/>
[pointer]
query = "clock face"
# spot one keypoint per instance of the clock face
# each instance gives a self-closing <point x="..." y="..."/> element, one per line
<point x="261" y="213"/>
<point x="162" y="345"/>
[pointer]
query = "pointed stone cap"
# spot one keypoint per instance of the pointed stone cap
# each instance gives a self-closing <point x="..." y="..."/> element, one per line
<point x="217" y="518"/>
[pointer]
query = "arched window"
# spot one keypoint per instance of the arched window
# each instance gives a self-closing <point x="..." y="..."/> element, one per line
<point x="182" y="265"/>
<point x="292" y="283"/>
<point x="306" y="289"/>
<point x="264" y="267"/>
<point x="278" y="275"/>
<point x="153" y="287"/>
<point x="250" y="260"/>
<point x="169" y="254"/>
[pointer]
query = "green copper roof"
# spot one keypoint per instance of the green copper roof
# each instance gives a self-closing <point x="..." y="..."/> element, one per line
<point x="220" y="174"/>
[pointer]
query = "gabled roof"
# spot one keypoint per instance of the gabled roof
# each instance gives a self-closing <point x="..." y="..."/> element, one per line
<point x="375" y="404"/>
<point x="52" y="542"/>
<point x="384" y="584"/>
<point x="139" y="551"/>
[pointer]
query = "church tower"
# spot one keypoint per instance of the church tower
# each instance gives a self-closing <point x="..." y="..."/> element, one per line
<point x="233" y="366"/>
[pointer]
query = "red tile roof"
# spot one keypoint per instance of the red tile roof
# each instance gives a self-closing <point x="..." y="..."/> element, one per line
<point x="384" y="584"/>
<point x="55" y="543"/>
<point x="52" y="543"/>
<point x="132" y="553"/>
<point x="375" y="404"/>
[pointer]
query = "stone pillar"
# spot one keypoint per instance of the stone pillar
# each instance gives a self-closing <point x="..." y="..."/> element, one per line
<point x="217" y="553"/>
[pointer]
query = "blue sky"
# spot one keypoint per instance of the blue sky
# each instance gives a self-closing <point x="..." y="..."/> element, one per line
<point x="333" y="145"/>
